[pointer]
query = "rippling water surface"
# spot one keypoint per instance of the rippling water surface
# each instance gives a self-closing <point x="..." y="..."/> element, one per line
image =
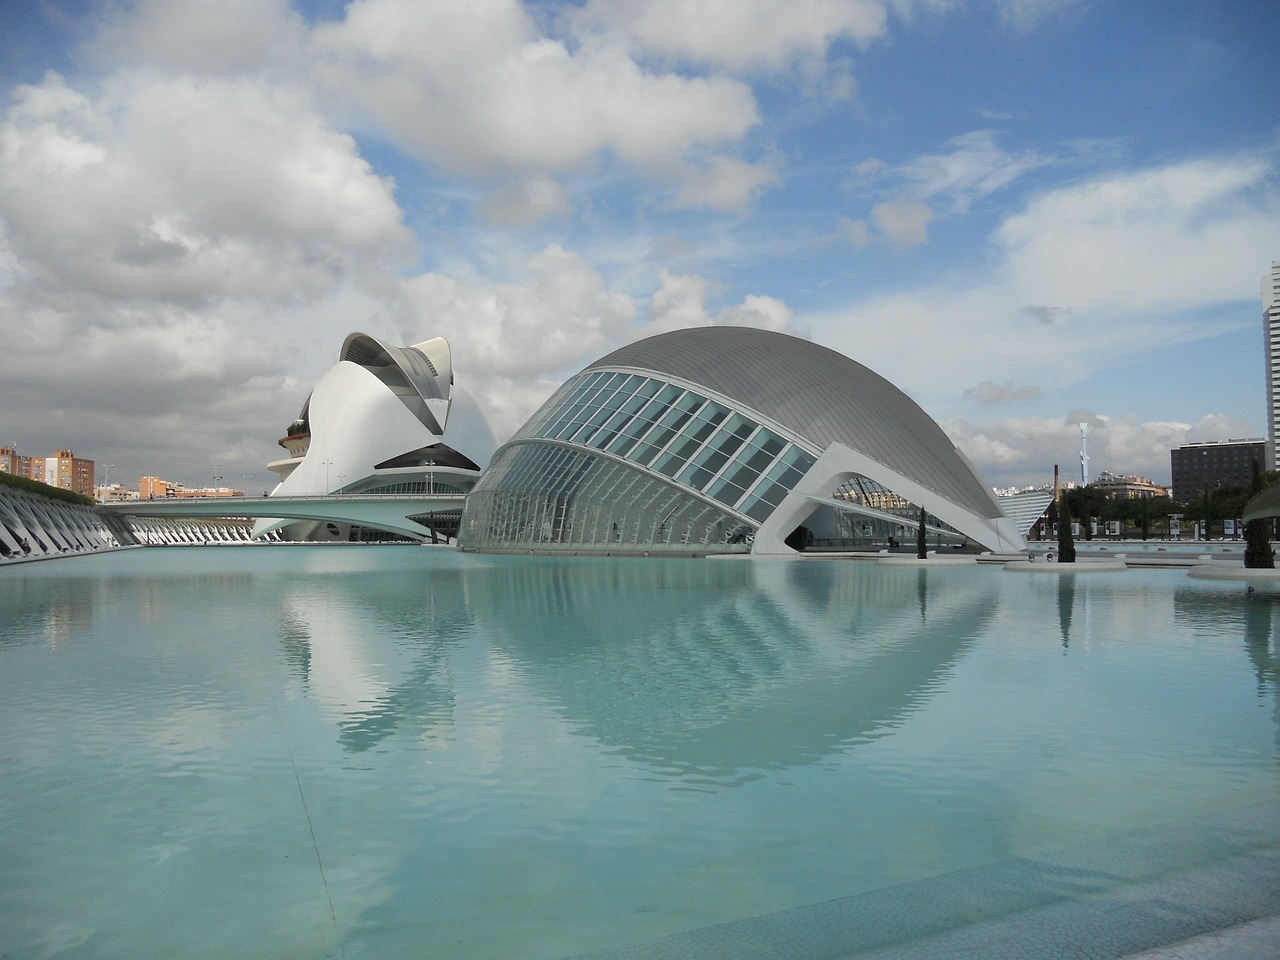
<point x="395" y="752"/>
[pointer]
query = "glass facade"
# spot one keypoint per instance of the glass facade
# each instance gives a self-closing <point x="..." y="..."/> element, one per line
<point x="610" y="461"/>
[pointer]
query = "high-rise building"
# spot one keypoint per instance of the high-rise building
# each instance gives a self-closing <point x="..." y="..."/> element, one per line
<point x="1271" y="330"/>
<point x="63" y="469"/>
<point x="1218" y="464"/>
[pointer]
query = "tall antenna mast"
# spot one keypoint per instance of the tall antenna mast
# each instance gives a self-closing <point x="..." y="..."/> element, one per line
<point x="1084" y="455"/>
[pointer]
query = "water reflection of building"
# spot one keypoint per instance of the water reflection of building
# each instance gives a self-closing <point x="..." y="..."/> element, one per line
<point x="373" y="652"/>
<point x="1247" y="614"/>
<point x="52" y="611"/>
<point x="741" y="667"/>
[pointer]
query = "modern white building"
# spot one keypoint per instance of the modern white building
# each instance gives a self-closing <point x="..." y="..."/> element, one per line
<point x="729" y="440"/>
<point x="383" y="420"/>
<point x="1271" y="335"/>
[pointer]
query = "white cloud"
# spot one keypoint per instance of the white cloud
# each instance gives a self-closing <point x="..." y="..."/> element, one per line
<point x="553" y="316"/>
<point x="1025" y="15"/>
<point x="679" y="302"/>
<point x="741" y="34"/>
<point x="136" y="380"/>
<point x="1022" y="451"/>
<point x="526" y="202"/>
<point x="187" y="189"/>
<point x="990" y="392"/>
<point x="514" y="340"/>
<point x="854" y="232"/>
<point x="904" y="222"/>
<point x="193" y="36"/>
<point x="727" y="185"/>
<point x="1045" y="314"/>
<point x="975" y="168"/>
<point x="477" y="88"/>
<point x="1167" y="237"/>
<point x="1124" y="260"/>
<point x="869" y="167"/>
<point x="172" y="246"/>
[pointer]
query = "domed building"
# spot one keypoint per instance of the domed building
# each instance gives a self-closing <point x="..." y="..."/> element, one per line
<point x="383" y="420"/>
<point x="729" y="440"/>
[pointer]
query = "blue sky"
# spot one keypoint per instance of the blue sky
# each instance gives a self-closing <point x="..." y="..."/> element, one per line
<point x="1026" y="213"/>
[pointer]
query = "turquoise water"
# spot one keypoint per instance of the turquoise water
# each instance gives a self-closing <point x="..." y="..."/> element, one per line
<point x="408" y="752"/>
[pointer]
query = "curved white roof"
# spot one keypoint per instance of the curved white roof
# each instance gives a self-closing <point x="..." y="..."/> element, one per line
<point x="820" y="395"/>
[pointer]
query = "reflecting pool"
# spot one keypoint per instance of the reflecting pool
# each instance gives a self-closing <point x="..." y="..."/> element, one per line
<point x="410" y="752"/>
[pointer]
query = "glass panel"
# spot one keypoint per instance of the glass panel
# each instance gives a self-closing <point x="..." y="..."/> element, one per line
<point x="644" y="453"/>
<point x="771" y="443"/>
<point x="799" y="458"/>
<point x="703" y="468"/>
<point x="726" y="492"/>
<point x="649" y="388"/>
<point x="742" y="475"/>
<point x="757" y="509"/>
<point x="671" y="461"/>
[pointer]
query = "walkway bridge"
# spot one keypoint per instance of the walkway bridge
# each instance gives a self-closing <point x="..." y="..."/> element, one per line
<point x="390" y="512"/>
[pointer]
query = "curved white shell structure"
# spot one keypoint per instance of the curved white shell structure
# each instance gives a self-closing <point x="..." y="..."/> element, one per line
<point x="387" y="419"/>
<point x="727" y="440"/>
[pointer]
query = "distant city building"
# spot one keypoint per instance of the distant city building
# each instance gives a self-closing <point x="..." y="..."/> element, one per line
<point x="1197" y="467"/>
<point x="1271" y="335"/>
<point x="1128" y="488"/>
<point x="11" y="463"/>
<point x="63" y="469"/>
<point x="153" y="488"/>
<point x="110" y="492"/>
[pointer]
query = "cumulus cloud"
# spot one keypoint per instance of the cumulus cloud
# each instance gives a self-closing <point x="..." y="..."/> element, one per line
<point x="192" y="36"/>
<point x="1044" y="314"/>
<point x="525" y="202"/>
<point x="173" y="245"/>
<point x="553" y="313"/>
<point x="1167" y="237"/>
<point x="741" y="35"/>
<point x="139" y="379"/>
<point x="517" y="338"/>
<point x="680" y="302"/>
<point x="185" y="189"/>
<point x="854" y="232"/>
<point x="1023" y="451"/>
<point x="1132" y="258"/>
<point x="727" y="185"/>
<point x="479" y="88"/>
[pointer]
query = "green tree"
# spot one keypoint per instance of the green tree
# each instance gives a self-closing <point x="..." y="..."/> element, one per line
<point x="1066" y="546"/>
<point x="922" y="549"/>
<point x="1258" y="554"/>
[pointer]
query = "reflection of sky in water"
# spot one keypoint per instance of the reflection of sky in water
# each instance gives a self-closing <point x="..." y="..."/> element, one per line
<point x="531" y="757"/>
